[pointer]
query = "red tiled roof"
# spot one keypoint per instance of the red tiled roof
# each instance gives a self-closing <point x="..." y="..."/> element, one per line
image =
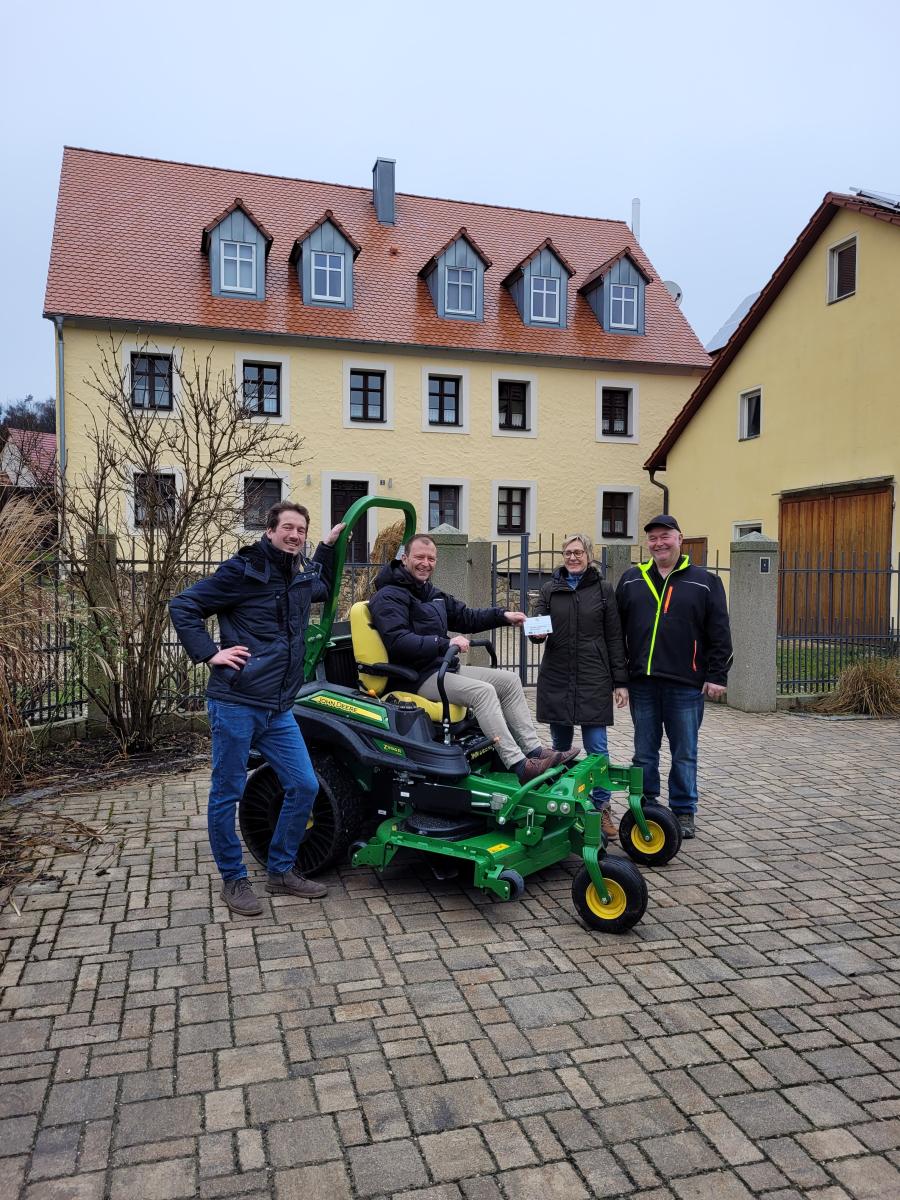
<point x="37" y="450"/>
<point x="808" y="237"/>
<point x="125" y="250"/>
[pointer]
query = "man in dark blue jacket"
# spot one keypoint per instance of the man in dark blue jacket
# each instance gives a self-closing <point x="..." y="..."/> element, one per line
<point x="262" y="596"/>
<point x="678" y="646"/>
<point x="413" y="618"/>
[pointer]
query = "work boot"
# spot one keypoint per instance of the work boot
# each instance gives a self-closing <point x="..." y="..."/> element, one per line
<point x="686" y="821"/>
<point x="608" y="822"/>
<point x="240" y="897"/>
<point x="292" y="883"/>
<point x="529" y="768"/>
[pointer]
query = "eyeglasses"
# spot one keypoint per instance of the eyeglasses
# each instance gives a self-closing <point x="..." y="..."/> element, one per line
<point x="573" y="554"/>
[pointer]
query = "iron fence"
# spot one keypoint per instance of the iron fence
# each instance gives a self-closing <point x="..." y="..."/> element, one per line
<point x="833" y="613"/>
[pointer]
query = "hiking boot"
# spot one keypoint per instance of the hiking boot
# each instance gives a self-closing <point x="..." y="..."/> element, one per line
<point x="564" y="757"/>
<point x="686" y="821"/>
<point x="240" y="897"/>
<point x="292" y="883"/>
<point x="529" y="768"/>
<point x="608" y="823"/>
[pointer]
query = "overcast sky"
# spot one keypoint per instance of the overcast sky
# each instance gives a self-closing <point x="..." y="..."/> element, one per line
<point x="730" y="122"/>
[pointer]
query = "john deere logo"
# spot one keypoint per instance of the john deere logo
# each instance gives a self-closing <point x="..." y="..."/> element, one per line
<point x="346" y="707"/>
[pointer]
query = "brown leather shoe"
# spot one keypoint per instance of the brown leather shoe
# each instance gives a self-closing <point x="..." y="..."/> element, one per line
<point x="532" y="767"/>
<point x="292" y="883"/>
<point x="608" y="823"/>
<point x="564" y="757"/>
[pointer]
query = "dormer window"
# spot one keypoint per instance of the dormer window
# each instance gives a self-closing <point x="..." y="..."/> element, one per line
<point x="460" y="298"/>
<point x="623" y="306"/>
<point x="324" y="256"/>
<point x="615" y="292"/>
<point x="327" y="276"/>
<point x="544" y="299"/>
<point x="238" y="266"/>
<point x="539" y="286"/>
<point x="455" y="278"/>
<point x="237" y="245"/>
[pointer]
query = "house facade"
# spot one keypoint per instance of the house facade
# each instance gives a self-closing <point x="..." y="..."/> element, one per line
<point x="793" y="430"/>
<point x="504" y="369"/>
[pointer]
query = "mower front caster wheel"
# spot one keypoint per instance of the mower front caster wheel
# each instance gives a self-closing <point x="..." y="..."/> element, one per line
<point x="665" y="836"/>
<point x="627" y="897"/>
<point x="515" y="881"/>
<point x="352" y="849"/>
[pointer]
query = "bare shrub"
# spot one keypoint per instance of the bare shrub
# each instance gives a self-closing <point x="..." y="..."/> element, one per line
<point x="871" y="688"/>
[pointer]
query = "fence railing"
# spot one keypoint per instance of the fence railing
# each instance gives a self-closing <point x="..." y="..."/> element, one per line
<point x="833" y="613"/>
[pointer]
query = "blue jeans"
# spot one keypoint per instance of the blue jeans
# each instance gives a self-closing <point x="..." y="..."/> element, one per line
<point x="657" y="704"/>
<point x="235" y="728"/>
<point x="594" y="740"/>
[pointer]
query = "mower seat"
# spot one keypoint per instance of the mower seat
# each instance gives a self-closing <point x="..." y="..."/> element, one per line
<point x="370" y="654"/>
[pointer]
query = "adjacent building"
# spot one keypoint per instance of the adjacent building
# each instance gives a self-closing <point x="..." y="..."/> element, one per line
<point x="504" y="369"/>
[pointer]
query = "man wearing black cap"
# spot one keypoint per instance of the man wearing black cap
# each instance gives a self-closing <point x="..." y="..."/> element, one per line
<point x="678" y="643"/>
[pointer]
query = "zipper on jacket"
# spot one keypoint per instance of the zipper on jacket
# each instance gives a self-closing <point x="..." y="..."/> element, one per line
<point x="644" y="569"/>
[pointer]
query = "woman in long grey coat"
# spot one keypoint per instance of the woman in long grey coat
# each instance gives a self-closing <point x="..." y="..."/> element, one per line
<point x="583" y="669"/>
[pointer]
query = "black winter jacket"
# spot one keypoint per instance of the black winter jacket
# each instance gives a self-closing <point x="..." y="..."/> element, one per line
<point x="414" y="618"/>
<point x="675" y="628"/>
<point x="262" y="598"/>
<point x="584" y="656"/>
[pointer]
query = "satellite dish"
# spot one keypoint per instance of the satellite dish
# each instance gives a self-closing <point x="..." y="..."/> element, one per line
<point x="674" y="290"/>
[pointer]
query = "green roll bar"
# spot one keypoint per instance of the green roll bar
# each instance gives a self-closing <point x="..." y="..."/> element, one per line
<point x="318" y="636"/>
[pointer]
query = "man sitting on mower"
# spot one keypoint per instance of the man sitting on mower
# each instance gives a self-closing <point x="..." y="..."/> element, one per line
<point x="413" y="618"/>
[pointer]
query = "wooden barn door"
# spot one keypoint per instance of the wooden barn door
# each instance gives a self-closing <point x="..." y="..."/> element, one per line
<point x="835" y="556"/>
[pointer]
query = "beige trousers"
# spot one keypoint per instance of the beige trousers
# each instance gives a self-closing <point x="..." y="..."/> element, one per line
<point x="498" y="702"/>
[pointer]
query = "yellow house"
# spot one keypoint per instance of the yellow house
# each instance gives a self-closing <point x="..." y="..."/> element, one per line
<point x="793" y="431"/>
<point x="504" y="369"/>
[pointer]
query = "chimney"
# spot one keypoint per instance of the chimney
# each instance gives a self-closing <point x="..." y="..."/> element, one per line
<point x="383" y="190"/>
<point x="636" y="218"/>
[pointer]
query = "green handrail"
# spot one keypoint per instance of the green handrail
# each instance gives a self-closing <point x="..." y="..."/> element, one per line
<point x="319" y="635"/>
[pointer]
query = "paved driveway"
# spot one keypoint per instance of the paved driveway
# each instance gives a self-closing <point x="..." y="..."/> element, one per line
<point x="413" y="1039"/>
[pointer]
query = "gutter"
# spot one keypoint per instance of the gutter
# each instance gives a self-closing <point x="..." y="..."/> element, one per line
<point x="662" y="486"/>
<point x="61" y="395"/>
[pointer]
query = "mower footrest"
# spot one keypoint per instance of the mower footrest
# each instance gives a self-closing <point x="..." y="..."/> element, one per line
<point x="449" y="829"/>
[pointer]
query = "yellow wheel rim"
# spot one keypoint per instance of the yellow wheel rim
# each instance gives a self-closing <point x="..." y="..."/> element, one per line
<point x="617" y="901"/>
<point x="310" y="822"/>
<point x="657" y="838"/>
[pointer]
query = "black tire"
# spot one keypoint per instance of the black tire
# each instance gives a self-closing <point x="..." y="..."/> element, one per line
<point x="628" y="897"/>
<point x="515" y="881"/>
<point x="336" y="817"/>
<point x="665" y="833"/>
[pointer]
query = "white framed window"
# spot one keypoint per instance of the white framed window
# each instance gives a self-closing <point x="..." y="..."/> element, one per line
<point x="445" y="501"/>
<point x="266" y="383"/>
<point x="842" y="270"/>
<point x="149" y="372"/>
<point x="544" y="299"/>
<point x="328" y="276"/>
<point x="238" y="266"/>
<point x="368" y="394"/>
<point x="152" y="498"/>
<point x="750" y="414"/>
<point x="741" y="528"/>
<point x="445" y="398"/>
<point x="513" y="507"/>
<point x="459" y="295"/>
<point x="623" y="304"/>
<point x="618" y="506"/>
<point x="514" y="407"/>
<point x="617" y="410"/>
<point x="258" y="490"/>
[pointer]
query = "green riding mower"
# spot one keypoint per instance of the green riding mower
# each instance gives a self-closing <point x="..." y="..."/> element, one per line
<point x="399" y="773"/>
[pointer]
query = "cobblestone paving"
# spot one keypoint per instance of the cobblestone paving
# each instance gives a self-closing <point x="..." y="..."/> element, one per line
<point x="411" y="1038"/>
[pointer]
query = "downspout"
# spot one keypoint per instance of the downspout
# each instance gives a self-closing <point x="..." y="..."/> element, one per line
<point x="662" y="486"/>
<point x="60" y="395"/>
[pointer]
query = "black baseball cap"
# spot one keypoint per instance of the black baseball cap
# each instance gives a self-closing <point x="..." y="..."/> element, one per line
<point x="663" y="520"/>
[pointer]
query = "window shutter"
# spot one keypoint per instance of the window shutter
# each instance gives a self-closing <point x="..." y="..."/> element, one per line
<point x="846" y="270"/>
